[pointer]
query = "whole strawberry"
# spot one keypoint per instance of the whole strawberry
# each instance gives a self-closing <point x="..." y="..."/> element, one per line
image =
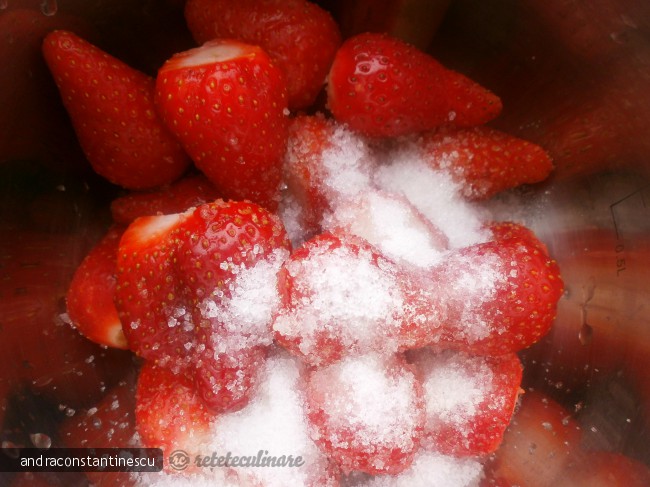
<point x="383" y="87"/>
<point x="226" y="103"/>
<point x="300" y="37"/>
<point x="113" y="114"/>
<point x="485" y="161"/>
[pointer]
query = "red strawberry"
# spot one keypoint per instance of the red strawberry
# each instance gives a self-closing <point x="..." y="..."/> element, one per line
<point x="324" y="163"/>
<point x="300" y="37"/>
<point x="340" y="296"/>
<point x="492" y="298"/>
<point x="90" y="304"/>
<point x="469" y="400"/>
<point x="228" y="261"/>
<point x="157" y="326"/>
<point x="485" y="161"/>
<point x="174" y="198"/>
<point x="38" y="351"/>
<point x="384" y="87"/>
<point x="539" y="443"/>
<point x="112" y="110"/>
<point x="368" y="412"/>
<point x="169" y="414"/>
<point x="226" y="103"/>
<point x="507" y="231"/>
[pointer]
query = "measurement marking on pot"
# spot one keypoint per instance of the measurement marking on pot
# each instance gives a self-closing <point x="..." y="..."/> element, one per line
<point x="620" y="241"/>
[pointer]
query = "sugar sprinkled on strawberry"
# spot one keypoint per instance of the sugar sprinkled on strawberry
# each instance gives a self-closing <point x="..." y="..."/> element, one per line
<point x="469" y="400"/>
<point x="339" y="296"/>
<point x="368" y="412"/>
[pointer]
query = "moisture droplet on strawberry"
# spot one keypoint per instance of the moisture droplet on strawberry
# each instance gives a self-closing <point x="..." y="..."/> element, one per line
<point x="226" y="102"/>
<point x="368" y="412"/>
<point x="112" y="110"/>
<point x="383" y="87"/>
<point x="89" y="300"/>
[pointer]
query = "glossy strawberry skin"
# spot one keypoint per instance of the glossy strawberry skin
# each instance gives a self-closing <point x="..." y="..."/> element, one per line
<point x="112" y="111"/>
<point x="90" y="297"/>
<point x="226" y="102"/>
<point x="299" y="36"/>
<point x="383" y="87"/>
<point x="155" y="323"/>
<point x="220" y="240"/>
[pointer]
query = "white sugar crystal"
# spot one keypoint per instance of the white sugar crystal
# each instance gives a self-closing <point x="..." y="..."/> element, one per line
<point x="392" y="225"/>
<point x="432" y="470"/>
<point x="376" y="401"/>
<point x="455" y="384"/>
<point x="475" y="280"/>
<point x="435" y="194"/>
<point x="345" y="295"/>
<point x="274" y="422"/>
<point x="346" y="165"/>
<point x="244" y="316"/>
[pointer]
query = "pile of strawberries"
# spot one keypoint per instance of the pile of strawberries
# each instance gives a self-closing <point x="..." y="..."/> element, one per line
<point x="262" y="220"/>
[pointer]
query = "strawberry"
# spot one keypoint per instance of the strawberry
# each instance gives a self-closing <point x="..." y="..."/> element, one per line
<point x="321" y="167"/>
<point x="184" y="291"/>
<point x="540" y="442"/>
<point x="38" y="351"/>
<point x="157" y="326"/>
<point x="300" y="37"/>
<point x="89" y="300"/>
<point x="368" y="413"/>
<point x="230" y="252"/>
<point x="112" y="111"/>
<point x="494" y="297"/>
<point x="226" y="102"/>
<point x="339" y="296"/>
<point x="485" y="161"/>
<point x="383" y="87"/>
<point x="174" y="198"/>
<point x="169" y="414"/>
<point x="469" y="400"/>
